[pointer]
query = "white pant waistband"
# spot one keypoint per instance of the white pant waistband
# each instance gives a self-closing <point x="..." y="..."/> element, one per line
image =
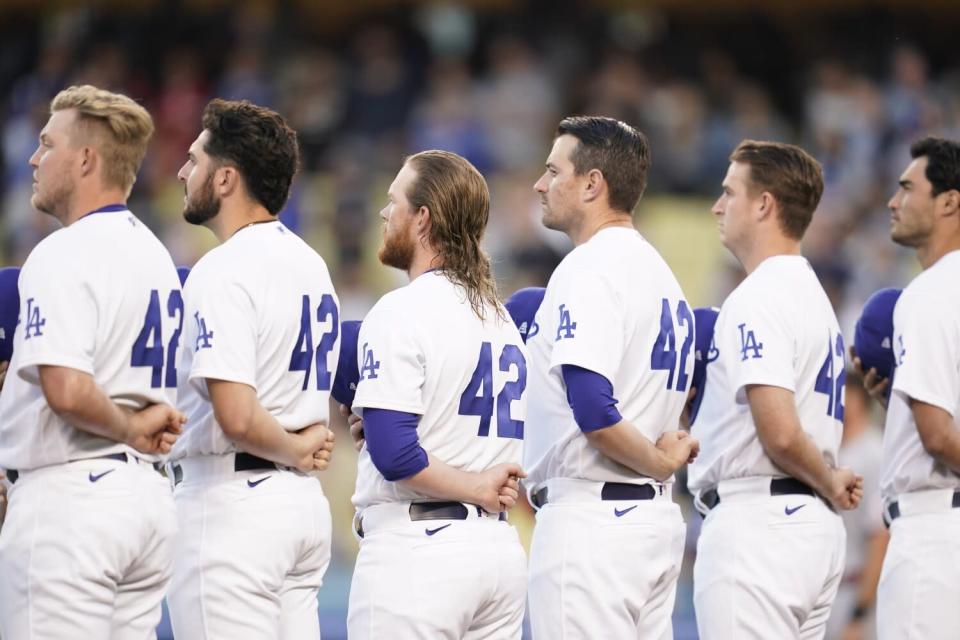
<point x="216" y="467"/>
<point x="918" y="502"/>
<point x="94" y="462"/>
<point x="577" y="490"/>
<point x="393" y="514"/>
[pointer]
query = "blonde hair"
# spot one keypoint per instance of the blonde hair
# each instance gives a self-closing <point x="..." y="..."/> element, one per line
<point x="118" y="127"/>
<point x="459" y="203"/>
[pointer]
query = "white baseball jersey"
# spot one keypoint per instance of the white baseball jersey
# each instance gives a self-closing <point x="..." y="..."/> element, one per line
<point x="614" y="307"/>
<point x="778" y="329"/>
<point x="422" y="350"/>
<point x="242" y="301"/>
<point x="926" y="344"/>
<point x="101" y="296"/>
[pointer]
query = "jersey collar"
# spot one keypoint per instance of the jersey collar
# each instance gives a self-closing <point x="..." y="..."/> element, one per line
<point x="110" y="208"/>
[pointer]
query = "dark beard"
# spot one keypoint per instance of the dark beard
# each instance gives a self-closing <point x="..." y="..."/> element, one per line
<point x="203" y="206"/>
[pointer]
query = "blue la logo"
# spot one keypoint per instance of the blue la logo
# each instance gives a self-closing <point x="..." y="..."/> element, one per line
<point x="35" y="322"/>
<point x="203" y="336"/>
<point x="566" y="327"/>
<point x="748" y="342"/>
<point x="370" y="365"/>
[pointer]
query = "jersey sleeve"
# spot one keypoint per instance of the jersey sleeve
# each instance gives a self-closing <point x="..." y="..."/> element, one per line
<point x="927" y="350"/>
<point x="58" y="317"/>
<point x="224" y="332"/>
<point x="589" y="325"/>
<point x="391" y="363"/>
<point x="760" y="344"/>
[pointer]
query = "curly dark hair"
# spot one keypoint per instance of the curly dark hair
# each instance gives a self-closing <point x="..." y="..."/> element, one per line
<point x="259" y="143"/>
<point x="943" y="163"/>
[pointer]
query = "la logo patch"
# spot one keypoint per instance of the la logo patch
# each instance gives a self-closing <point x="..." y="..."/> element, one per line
<point x="749" y="347"/>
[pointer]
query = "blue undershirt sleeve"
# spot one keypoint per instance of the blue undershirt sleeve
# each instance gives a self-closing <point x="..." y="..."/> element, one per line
<point x="393" y="444"/>
<point x="590" y="395"/>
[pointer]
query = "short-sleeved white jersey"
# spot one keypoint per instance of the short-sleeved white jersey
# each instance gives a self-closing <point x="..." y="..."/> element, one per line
<point x="776" y="329"/>
<point x="614" y="307"/>
<point x="926" y="344"/>
<point x="261" y="311"/>
<point x="101" y="296"/>
<point x="423" y="350"/>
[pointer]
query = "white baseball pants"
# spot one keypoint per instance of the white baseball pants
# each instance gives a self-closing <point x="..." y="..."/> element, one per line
<point x="767" y="566"/>
<point x="919" y="593"/>
<point x="251" y="553"/>
<point x="437" y="579"/>
<point x="86" y="551"/>
<point x="597" y="574"/>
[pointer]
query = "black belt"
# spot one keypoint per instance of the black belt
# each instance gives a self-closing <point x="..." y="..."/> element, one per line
<point x="893" y="511"/>
<point x="13" y="474"/>
<point x="438" y="511"/>
<point x="778" y="487"/>
<point x="609" y="491"/>
<point x="241" y="462"/>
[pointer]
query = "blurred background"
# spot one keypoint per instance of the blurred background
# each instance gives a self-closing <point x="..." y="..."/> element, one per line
<point x="367" y="82"/>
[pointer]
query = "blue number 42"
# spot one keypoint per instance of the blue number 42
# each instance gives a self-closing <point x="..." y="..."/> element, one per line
<point x="831" y="378"/>
<point x="148" y="348"/>
<point x="477" y="398"/>
<point x="304" y="355"/>
<point x="663" y="357"/>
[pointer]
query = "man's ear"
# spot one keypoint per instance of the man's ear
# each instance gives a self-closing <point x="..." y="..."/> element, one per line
<point x="767" y="206"/>
<point x="594" y="185"/>
<point x="89" y="160"/>
<point x="226" y="180"/>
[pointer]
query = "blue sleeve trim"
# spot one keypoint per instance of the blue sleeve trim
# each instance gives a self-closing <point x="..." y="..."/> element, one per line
<point x="590" y="395"/>
<point x="393" y="444"/>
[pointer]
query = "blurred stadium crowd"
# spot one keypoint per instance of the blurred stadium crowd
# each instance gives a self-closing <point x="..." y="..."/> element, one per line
<point x="490" y="80"/>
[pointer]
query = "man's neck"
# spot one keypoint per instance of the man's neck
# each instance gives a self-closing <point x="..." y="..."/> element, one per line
<point x="423" y="260"/>
<point x="86" y="201"/>
<point x="593" y="224"/>
<point x="236" y="216"/>
<point x="760" y="251"/>
<point x="929" y="254"/>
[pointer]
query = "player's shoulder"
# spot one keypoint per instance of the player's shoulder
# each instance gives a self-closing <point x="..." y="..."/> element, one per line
<point x="934" y="283"/>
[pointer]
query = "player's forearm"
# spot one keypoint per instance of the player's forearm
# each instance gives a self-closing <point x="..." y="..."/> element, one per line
<point x="783" y="439"/>
<point x="443" y="482"/>
<point x="80" y="402"/>
<point x="248" y="425"/>
<point x="624" y="444"/>
<point x="938" y="433"/>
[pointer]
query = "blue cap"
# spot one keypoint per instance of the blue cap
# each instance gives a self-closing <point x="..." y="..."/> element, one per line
<point x="348" y="375"/>
<point x="9" y="309"/>
<point x="705" y="318"/>
<point x="522" y="307"/>
<point x="873" y="337"/>
<point x="183" y="272"/>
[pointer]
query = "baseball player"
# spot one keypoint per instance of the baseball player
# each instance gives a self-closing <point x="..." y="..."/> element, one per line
<point x="610" y="367"/>
<point x="770" y="554"/>
<point x="261" y="345"/>
<point x="442" y="393"/>
<point x="87" y="407"/>
<point x="920" y="478"/>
